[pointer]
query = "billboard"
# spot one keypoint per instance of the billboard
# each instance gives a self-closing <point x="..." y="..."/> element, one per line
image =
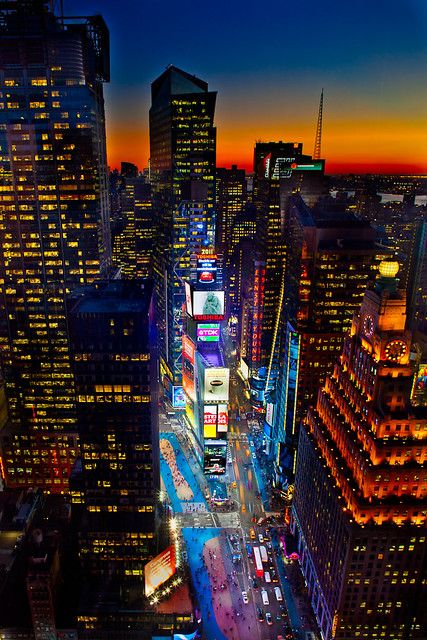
<point x="208" y="305"/>
<point x="208" y="332"/>
<point x="215" y="457"/>
<point x="244" y="369"/>
<point x="207" y="269"/>
<point x="222" y="418"/>
<point x="188" y="351"/>
<point x="178" y="397"/>
<point x="269" y="414"/>
<point x="210" y="416"/>
<point x="216" y="384"/>
<point x="188" y="299"/>
<point x="159" y="569"/>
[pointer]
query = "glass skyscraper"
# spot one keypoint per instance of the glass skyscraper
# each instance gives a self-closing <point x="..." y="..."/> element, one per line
<point x="54" y="224"/>
<point x="183" y="158"/>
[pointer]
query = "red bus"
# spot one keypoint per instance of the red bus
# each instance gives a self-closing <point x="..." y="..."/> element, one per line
<point x="259" y="569"/>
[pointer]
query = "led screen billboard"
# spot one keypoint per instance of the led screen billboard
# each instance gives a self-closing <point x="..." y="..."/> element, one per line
<point x="208" y="305"/>
<point x="222" y="418"/>
<point x="215" y="457"/>
<point x="210" y="416"/>
<point x="178" y="398"/>
<point x="208" y="332"/>
<point x="159" y="569"/>
<point x="188" y="351"/>
<point x="206" y="269"/>
<point x="188" y="299"/>
<point x="269" y="413"/>
<point x="216" y="384"/>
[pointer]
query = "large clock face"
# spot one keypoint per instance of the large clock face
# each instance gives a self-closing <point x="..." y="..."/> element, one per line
<point x="368" y="325"/>
<point x="395" y="350"/>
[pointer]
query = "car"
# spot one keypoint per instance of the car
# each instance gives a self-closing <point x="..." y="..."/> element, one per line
<point x="253" y="455"/>
<point x="260" y="614"/>
<point x="267" y="576"/>
<point x="254" y="583"/>
<point x="268" y="618"/>
<point x="279" y="617"/>
<point x="260" y="538"/>
<point x="206" y="276"/>
<point x="243" y="508"/>
<point x="280" y="637"/>
<point x="245" y="597"/>
<point x="269" y="546"/>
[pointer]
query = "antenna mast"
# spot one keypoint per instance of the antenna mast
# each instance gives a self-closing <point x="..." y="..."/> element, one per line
<point x="318" y="140"/>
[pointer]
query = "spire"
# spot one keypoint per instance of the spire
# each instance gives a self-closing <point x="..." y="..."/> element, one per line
<point x="318" y="140"/>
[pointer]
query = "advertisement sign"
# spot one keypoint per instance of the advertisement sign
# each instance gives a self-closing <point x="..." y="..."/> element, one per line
<point x="215" y="457"/>
<point x="188" y="351"/>
<point x="210" y="415"/>
<point x="222" y="418"/>
<point x="419" y="394"/>
<point x="208" y="305"/>
<point x="216" y="384"/>
<point x="244" y="369"/>
<point x="208" y="332"/>
<point x="188" y="299"/>
<point x="269" y="414"/>
<point x="178" y="398"/>
<point x="159" y="569"/>
<point x="207" y="269"/>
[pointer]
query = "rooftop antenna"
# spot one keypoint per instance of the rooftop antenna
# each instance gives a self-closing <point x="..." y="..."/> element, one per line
<point x="318" y="140"/>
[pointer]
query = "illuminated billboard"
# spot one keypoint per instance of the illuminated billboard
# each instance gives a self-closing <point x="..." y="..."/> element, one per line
<point x="208" y="332"/>
<point x="216" y="384"/>
<point x="215" y="457"/>
<point x="222" y="418"/>
<point x="208" y="305"/>
<point x="269" y="414"/>
<point x="210" y="416"/>
<point x="207" y="269"/>
<point x="188" y="351"/>
<point x="188" y="299"/>
<point x="178" y="397"/>
<point x="159" y="569"/>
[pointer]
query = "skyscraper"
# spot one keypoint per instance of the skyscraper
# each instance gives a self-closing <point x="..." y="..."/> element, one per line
<point x="280" y="169"/>
<point x="331" y="258"/>
<point x="183" y="157"/>
<point x="54" y="223"/>
<point x="117" y="418"/>
<point x="230" y="201"/>
<point x="360" y="503"/>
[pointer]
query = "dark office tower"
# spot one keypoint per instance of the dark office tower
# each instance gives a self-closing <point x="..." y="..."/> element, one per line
<point x="183" y="155"/>
<point x="360" y="500"/>
<point x="54" y="226"/>
<point x="230" y="200"/>
<point x="280" y="169"/>
<point x="117" y="420"/>
<point x="133" y="244"/>
<point x="128" y="170"/>
<point x="332" y="257"/>
<point x="244" y="229"/>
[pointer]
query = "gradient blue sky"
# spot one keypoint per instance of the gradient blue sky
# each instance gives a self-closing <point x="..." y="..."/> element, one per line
<point x="269" y="61"/>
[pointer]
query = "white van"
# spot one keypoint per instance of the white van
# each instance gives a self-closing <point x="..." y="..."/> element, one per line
<point x="267" y="576"/>
<point x="278" y="594"/>
<point x="264" y="596"/>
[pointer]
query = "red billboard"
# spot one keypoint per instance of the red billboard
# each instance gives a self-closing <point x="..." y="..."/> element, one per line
<point x="159" y="569"/>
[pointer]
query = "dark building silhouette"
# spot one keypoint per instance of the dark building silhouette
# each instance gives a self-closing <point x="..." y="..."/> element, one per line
<point x="54" y="224"/>
<point x="115" y="373"/>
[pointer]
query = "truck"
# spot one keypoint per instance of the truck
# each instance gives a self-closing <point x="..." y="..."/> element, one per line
<point x="259" y="569"/>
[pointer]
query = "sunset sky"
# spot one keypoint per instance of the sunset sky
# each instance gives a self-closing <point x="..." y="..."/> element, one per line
<point x="268" y="61"/>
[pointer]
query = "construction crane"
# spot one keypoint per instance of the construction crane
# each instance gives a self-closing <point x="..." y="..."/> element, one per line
<point x="318" y="140"/>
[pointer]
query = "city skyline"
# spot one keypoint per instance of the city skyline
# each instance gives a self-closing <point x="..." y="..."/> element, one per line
<point x="369" y="59"/>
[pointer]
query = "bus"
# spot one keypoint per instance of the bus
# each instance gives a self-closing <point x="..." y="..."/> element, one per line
<point x="259" y="570"/>
<point x="263" y="552"/>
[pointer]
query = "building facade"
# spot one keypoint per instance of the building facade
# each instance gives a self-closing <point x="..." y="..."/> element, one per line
<point x="360" y="503"/>
<point x="183" y="157"/>
<point x="54" y="224"/>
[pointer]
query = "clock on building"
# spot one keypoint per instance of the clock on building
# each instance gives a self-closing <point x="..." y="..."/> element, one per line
<point x="368" y="325"/>
<point x="395" y="350"/>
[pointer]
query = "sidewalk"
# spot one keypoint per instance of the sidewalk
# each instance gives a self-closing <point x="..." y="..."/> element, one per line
<point x="265" y="498"/>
